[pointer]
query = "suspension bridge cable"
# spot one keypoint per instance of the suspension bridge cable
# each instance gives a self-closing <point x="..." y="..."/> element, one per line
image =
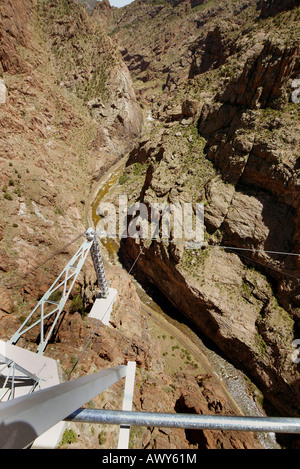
<point x="233" y="248"/>
<point x="206" y="245"/>
<point x="262" y="251"/>
<point x="133" y="265"/>
<point x="268" y="267"/>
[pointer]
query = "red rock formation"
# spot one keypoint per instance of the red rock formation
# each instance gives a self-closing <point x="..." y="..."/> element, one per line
<point x="13" y="34"/>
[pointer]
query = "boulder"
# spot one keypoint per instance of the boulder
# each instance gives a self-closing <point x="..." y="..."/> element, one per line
<point x="6" y="302"/>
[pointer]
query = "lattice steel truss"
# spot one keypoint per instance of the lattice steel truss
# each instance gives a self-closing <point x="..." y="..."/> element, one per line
<point x="9" y="380"/>
<point x="54" y="300"/>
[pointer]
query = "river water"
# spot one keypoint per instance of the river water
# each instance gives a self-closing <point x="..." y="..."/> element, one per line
<point x="235" y="381"/>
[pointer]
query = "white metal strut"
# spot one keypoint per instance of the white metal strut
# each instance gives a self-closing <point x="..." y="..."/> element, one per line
<point x="62" y="286"/>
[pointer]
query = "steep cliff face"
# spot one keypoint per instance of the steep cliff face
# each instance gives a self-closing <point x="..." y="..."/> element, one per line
<point x="90" y="65"/>
<point x="171" y="37"/>
<point x="252" y="137"/>
<point x="226" y="133"/>
<point x="14" y="34"/>
<point x="272" y="8"/>
<point x="89" y="5"/>
<point x="217" y="78"/>
<point x="55" y="136"/>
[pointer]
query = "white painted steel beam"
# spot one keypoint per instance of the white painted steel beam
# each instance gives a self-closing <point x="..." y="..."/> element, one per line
<point x="124" y="433"/>
<point x="24" y="419"/>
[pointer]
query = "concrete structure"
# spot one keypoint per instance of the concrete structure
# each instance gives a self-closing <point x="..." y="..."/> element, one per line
<point x="103" y="307"/>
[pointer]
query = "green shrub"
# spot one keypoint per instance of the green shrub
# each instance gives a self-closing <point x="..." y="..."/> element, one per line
<point x="138" y="168"/>
<point x="101" y="438"/>
<point x="56" y="296"/>
<point x="77" y="305"/>
<point x="69" y="437"/>
<point x="123" y="179"/>
<point x="18" y="192"/>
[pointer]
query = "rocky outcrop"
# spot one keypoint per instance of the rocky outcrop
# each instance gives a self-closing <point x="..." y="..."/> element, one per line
<point x="188" y="31"/>
<point x="90" y="5"/>
<point x="6" y="305"/>
<point x="229" y="305"/>
<point x="186" y="394"/>
<point x="250" y="150"/>
<point x="91" y="66"/>
<point x="213" y="50"/>
<point x="264" y="76"/>
<point x="13" y="34"/>
<point x="272" y="8"/>
<point x="239" y="298"/>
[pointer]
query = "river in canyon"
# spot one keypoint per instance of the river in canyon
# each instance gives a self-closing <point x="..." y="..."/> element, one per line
<point x="167" y="317"/>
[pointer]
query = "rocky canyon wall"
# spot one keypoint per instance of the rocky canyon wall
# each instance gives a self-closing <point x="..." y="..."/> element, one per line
<point x="68" y="111"/>
<point x="228" y="137"/>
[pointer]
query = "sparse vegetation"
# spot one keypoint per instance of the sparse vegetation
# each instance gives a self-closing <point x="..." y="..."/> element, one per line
<point x="77" y="305"/>
<point x="66" y="127"/>
<point x="101" y="438"/>
<point x="68" y="438"/>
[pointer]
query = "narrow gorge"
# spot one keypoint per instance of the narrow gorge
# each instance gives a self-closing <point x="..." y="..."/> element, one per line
<point x="199" y="101"/>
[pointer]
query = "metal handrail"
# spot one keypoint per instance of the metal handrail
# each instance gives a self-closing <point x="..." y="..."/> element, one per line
<point x="23" y="419"/>
<point x="187" y="421"/>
